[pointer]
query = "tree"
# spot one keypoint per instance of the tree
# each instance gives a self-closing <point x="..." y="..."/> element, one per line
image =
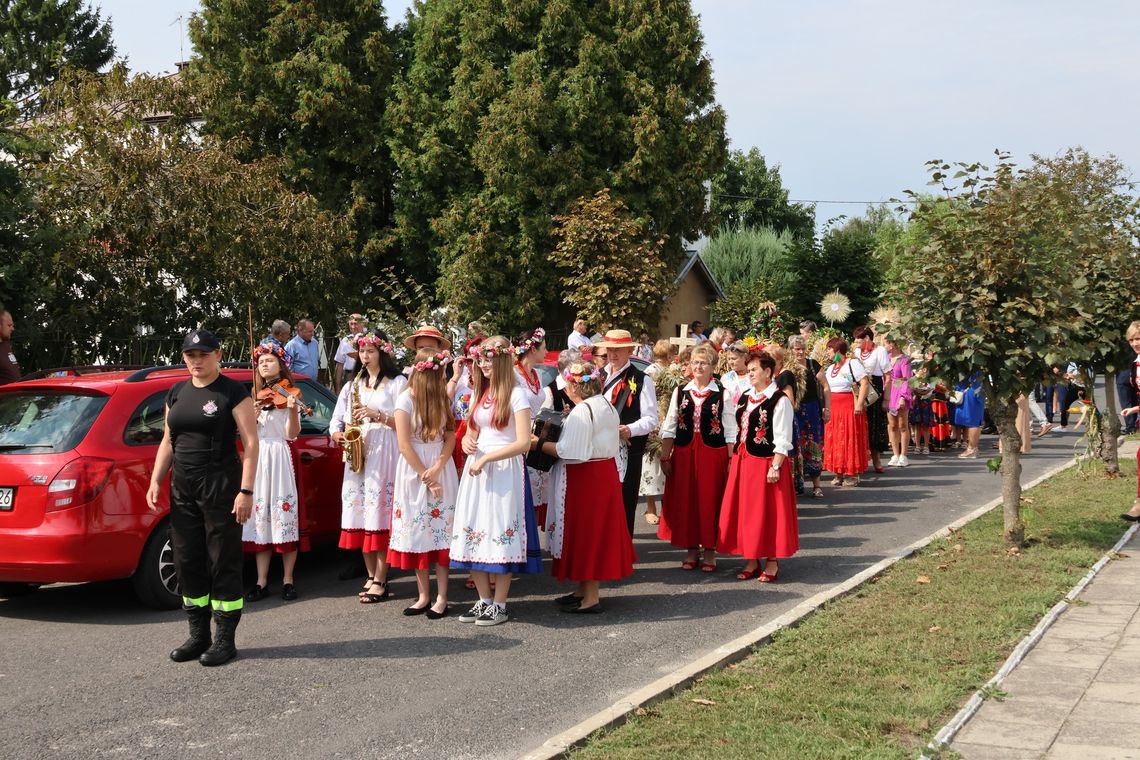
<point x="306" y="83"/>
<point x="38" y="38"/>
<point x="163" y="232"/>
<point x="747" y="192"/>
<point x="601" y="251"/>
<point x="843" y="260"/>
<point x="993" y="289"/>
<point x="511" y="112"/>
<point x="752" y="253"/>
<point x="1105" y="220"/>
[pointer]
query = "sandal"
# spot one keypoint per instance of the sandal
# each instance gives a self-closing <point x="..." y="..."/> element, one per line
<point x="747" y="575"/>
<point x="969" y="454"/>
<point x="766" y="577"/>
<point x="652" y="518"/>
<point x="469" y="584"/>
<point x="837" y="482"/>
<point x="367" y="586"/>
<point x="852" y="482"/>
<point x="708" y="567"/>
<point x="817" y="492"/>
<point x="370" y="598"/>
<point x="689" y="564"/>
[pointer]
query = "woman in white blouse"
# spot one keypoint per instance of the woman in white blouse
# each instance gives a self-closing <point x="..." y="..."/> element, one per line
<point x="845" y="434"/>
<point x="588" y="536"/>
<point x="758" y="513"/>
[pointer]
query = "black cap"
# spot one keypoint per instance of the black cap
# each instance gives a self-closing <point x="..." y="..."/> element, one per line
<point x="200" y="340"/>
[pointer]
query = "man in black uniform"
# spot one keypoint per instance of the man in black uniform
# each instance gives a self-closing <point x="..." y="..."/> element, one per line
<point x="211" y="492"/>
<point x="630" y="391"/>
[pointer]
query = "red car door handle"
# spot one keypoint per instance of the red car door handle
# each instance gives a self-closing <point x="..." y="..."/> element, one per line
<point x="307" y="457"/>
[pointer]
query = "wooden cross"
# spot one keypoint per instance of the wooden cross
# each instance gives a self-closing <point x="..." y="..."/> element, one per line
<point x="684" y="341"/>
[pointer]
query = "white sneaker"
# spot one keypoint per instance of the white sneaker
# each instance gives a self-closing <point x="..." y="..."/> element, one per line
<point x="903" y="461"/>
<point x="1060" y="429"/>
<point x="894" y="462"/>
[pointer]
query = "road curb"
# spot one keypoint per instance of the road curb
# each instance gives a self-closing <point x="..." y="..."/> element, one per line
<point x="740" y="647"/>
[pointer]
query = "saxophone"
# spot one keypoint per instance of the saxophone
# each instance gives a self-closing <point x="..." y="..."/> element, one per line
<point x="353" y="441"/>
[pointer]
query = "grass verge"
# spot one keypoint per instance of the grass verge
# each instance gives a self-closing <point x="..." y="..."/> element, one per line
<point x="877" y="673"/>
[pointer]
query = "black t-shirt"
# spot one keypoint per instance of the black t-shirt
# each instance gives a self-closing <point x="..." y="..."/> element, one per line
<point x="811" y="392"/>
<point x="9" y="367"/>
<point x="786" y="379"/>
<point x="201" y="420"/>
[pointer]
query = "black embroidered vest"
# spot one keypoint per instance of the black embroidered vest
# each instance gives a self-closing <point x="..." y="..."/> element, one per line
<point x="756" y="431"/>
<point x="562" y="402"/>
<point x="712" y="432"/>
<point x="625" y="397"/>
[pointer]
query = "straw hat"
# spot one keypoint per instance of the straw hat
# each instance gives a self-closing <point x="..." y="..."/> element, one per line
<point x="617" y="339"/>
<point x="427" y="331"/>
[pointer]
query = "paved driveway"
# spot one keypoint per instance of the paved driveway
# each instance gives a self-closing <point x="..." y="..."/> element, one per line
<point x="84" y="672"/>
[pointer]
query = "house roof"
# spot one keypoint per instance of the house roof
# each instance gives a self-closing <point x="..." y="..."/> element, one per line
<point x="694" y="261"/>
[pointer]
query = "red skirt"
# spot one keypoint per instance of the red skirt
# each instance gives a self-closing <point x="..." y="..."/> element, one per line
<point x="595" y="540"/>
<point x="691" y="503"/>
<point x="351" y="538"/>
<point x="758" y="518"/>
<point x="251" y="548"/>
<point x="417" y="561"/>
<point x="845" y="442"/>
<point x="376" y="540"/>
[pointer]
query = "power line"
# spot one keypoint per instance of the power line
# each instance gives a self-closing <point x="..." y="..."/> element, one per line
<point x="806" y="200"/>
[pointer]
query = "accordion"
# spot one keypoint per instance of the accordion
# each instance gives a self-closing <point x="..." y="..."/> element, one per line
<point x="547" y="426"/>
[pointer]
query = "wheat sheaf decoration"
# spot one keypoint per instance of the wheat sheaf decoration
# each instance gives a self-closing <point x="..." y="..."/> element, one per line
<point x="835" y="307"/>
<point x="885" y="318"/>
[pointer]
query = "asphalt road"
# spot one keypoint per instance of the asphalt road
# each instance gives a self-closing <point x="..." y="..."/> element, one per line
<point x="84" y="671"/>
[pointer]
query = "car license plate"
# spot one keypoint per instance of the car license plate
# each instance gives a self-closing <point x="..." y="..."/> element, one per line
<point x="7" y="499"/>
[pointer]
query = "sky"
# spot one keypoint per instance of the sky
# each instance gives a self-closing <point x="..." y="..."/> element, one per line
<point x="851" y="98"/>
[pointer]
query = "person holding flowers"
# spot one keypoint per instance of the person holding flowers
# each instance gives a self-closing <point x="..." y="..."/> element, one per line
<point x="696" y="433"/>
<point x="423" y="507"/>
<point x="758" y="513"/>
<point x="274" y="524"/>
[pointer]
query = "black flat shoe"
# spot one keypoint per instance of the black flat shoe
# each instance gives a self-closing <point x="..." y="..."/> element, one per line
<point x="433" y="615"/>
<point x="413" y="611"/>
<point x="1130" y="518"/>
<point x="593" y="609"/>
<point x="257" y="593"/>
<point x="568" y="599"/>
<point x="288" y="593"/>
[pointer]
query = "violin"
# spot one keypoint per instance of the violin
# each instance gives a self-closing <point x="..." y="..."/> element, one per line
<point x="277" y="396"/>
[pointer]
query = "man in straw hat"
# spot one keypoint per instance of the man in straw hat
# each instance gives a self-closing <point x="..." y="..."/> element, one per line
<point x="631" y="393"/>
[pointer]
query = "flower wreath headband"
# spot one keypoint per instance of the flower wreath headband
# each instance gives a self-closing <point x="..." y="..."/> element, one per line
<point x="272" y="347"/>
<point x="435" y="363"/>
<point x="534" y="341"/>
<point x="371" y="339"/>
<point x="490" y="352"/>
<point x="581" y="377"/>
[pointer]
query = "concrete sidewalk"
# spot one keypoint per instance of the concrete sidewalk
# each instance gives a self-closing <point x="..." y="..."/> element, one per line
<point x="1077" y="693"/>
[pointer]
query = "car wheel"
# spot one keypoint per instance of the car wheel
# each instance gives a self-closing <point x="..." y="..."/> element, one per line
<point x="155" y="582"/>
<point x="10" y="590"/>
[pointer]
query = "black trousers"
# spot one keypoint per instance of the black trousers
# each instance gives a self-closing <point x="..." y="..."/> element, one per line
<point x="205" y="536"/>
<point x="632" y="483"/>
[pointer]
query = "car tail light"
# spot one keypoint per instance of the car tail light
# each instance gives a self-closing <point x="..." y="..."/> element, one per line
<point x="80" y="481"/>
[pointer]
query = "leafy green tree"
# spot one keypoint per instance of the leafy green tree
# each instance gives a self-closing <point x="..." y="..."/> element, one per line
<point x="163" y="231"/>
<point x="747" y="192"/>
<point x="512" y="111"/>
<point x="844" y="260"/>
<point x="1106" y="223"/>
<point x="995" y="287"/>
<point x="38" y="38"/>
<point x="740" y="303"/>
<point x="306" y="82"/>
<point x="601" y="251"/>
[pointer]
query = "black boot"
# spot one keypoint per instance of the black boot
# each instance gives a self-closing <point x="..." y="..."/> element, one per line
<point x="199" y="640"/>
<point x="222" y="650"/>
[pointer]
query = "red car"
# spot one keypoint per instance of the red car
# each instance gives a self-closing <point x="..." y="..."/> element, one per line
<point x="76" y="453"/>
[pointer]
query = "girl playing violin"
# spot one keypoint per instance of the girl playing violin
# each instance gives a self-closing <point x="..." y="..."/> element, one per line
<point x="274" y="524"/>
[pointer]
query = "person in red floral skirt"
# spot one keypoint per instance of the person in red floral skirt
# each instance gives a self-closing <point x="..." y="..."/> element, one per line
<point x="694" y="457"/>
<point x="758" y="513"/>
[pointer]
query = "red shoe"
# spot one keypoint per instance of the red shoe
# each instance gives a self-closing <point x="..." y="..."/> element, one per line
<point x="689" y="564"/>
<point x="770" y="578"/>
<point x="880" y="470"/>
<point x="747" y="575"/>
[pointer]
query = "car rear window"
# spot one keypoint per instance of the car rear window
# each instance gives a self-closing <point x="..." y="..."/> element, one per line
<point x="46" y="422"/>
